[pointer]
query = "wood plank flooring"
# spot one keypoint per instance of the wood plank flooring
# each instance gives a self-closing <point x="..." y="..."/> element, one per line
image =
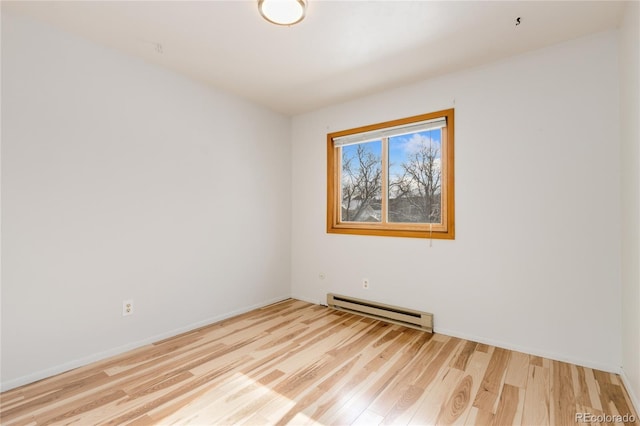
<point x="298" y="363"/>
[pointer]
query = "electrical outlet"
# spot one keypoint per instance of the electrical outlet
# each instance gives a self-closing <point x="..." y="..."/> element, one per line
<point x="127" y="307"/>
<point x="365" y="283"/>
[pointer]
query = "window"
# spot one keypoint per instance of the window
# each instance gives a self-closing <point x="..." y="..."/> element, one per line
<point x="393" y="178"/>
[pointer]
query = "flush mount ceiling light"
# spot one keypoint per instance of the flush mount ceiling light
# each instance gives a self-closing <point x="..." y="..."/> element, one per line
<point x="283" y="12"/>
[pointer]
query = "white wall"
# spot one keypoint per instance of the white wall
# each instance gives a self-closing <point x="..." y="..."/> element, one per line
<point x="536" y="261"/>
<point x="121" y="180"/>
<point x="630" y="136"/>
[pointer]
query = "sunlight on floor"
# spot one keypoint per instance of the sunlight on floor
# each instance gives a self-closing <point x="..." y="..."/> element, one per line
<point x="239" y="398"/>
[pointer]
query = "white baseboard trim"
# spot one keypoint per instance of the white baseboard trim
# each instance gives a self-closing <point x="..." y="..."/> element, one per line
<point x="632" y="395"/>
<point x="532" y="351"/>
<point x="310" y="300"/>
<point x="48" y="372"/>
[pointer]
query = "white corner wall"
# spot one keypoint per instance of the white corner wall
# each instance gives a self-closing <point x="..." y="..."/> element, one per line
<point x="536" y="261"/>
<point x="630" y="219"/>
<point x="121" y="180"/>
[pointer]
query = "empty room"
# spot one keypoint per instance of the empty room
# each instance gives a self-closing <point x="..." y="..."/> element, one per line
<point x="320" y="212"/>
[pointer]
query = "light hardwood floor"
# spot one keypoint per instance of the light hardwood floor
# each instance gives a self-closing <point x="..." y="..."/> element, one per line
<point x="298" y="363"/>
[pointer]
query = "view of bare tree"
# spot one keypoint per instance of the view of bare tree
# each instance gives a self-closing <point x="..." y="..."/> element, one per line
<point x="361" y="185"/>
<point x="415" y="195"/>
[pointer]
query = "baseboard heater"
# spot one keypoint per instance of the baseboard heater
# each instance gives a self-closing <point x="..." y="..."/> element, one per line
<point x="393" y="314"/>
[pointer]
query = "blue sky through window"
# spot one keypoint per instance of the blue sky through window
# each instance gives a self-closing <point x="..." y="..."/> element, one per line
<point x="400" y="148"/>
<point x="374" y="147"/>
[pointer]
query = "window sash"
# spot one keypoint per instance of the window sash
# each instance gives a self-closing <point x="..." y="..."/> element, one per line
<point x="385" y="183"/>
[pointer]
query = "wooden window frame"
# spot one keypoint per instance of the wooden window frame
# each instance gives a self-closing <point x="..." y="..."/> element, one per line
<point x="445" y="230"/>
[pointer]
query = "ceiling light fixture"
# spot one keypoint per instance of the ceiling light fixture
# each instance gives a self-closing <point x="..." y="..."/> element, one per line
<point x="283" y="12"/>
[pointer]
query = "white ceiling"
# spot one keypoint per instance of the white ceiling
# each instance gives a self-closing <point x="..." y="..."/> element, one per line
<point x="342" y="50"/>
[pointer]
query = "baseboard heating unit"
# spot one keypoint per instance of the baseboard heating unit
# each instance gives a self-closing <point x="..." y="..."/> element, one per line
<point x="380" y="311"/>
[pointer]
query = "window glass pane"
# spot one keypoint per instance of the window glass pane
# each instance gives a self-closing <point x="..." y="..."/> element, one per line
<point x="415" y="177"/>
<point x="361" y="182"/>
